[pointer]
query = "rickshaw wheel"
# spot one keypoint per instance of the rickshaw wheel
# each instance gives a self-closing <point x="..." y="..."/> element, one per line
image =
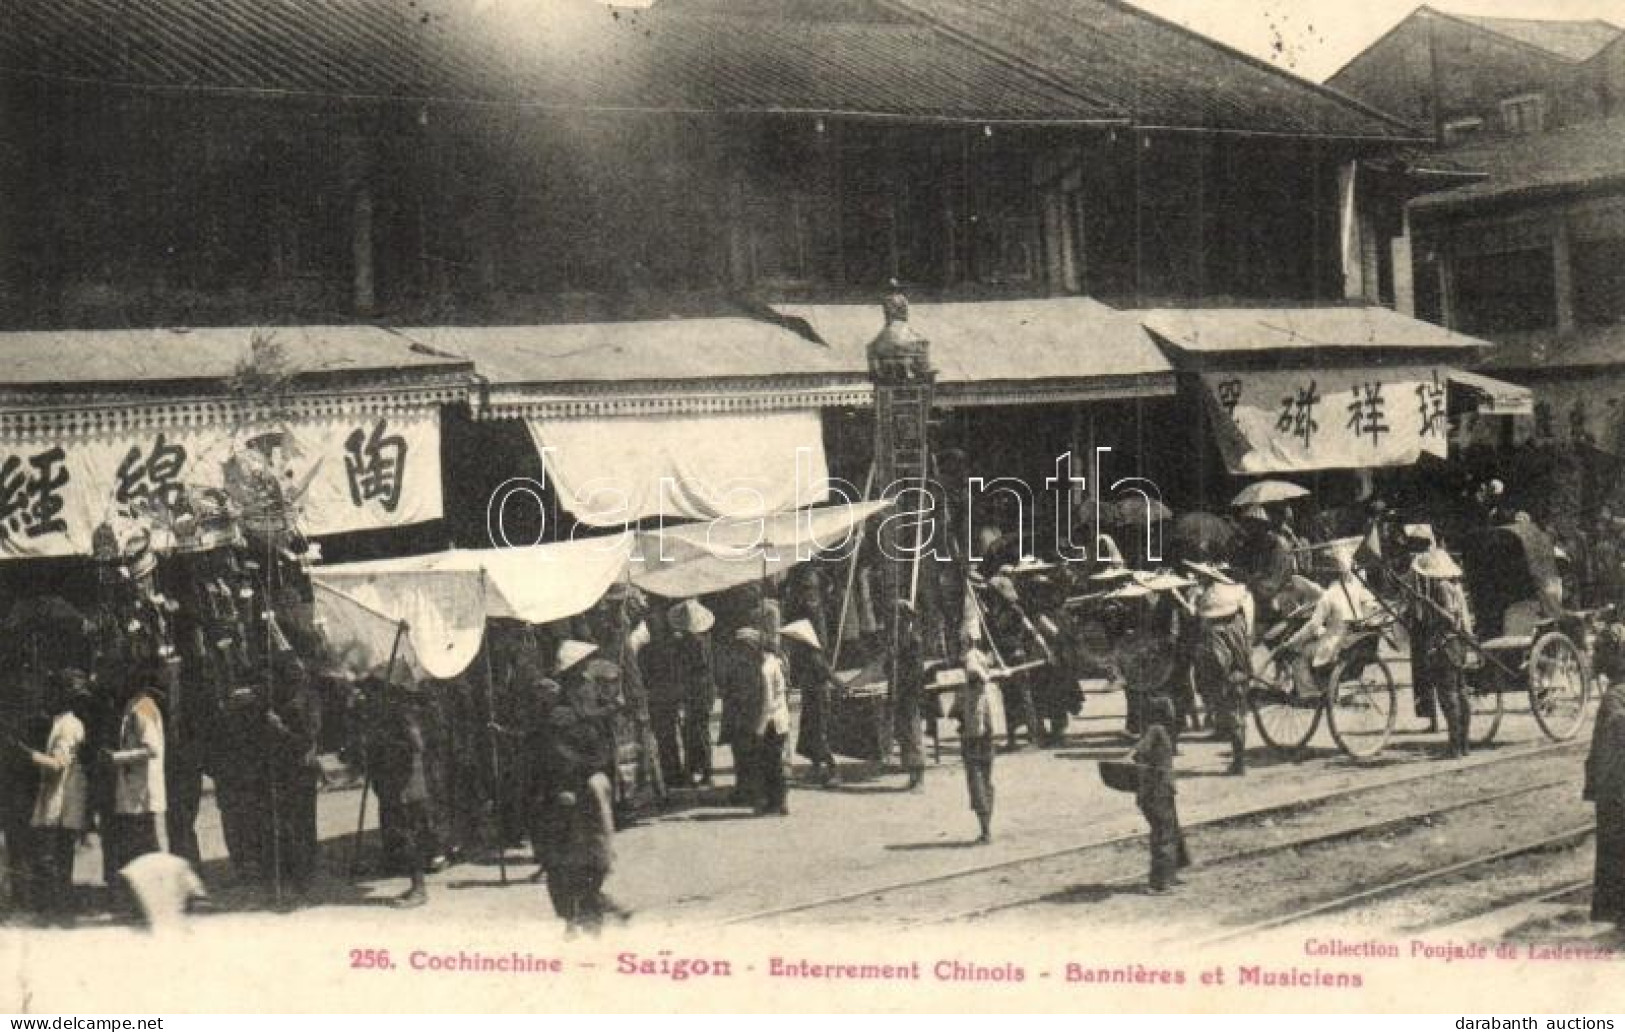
<point x="1285" y="720"/>
<point x="1559" y="685"/>
<point x="1485" y="703"/>
<point x="1360" y="710"/>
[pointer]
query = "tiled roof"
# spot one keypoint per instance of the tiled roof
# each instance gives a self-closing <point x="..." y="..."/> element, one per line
<point x="1159" y="73"/>
<point x="1588" y="346"/>
<point x="557" y="54"/>
<point x="1571" y="40"/>
<point x="1589" y="155"/>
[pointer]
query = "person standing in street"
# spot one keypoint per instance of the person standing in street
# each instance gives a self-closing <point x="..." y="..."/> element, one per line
<point x="576" y="821"/>
<point x="293" y="734"/>
<point x="980" y="711"/>
<point x="1605" y="790"/>
<point x="1154" y="760"/>
<point x="811" y="676"/>
<point x="1223" y="655"/>
<point x="908" y="696"/>
<point x="1441" y="619"/>
<point x="63" y="800"/>
<point x="690" y="667"/>
<point x="772" y="722"/>
<point x="395" y="754"/>
<point x="138" y="772"/>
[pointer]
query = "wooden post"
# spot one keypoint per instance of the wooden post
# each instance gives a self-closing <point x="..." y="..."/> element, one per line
<point x="364" y="296"/>
<point x="1563" y="276"/>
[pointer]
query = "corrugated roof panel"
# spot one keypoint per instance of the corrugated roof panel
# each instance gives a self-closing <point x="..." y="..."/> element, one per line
<point x="668" y="351"/>
<point x="47" y="358"/>
<point x="1210" y="331"/>
<point x="978" y="342"/>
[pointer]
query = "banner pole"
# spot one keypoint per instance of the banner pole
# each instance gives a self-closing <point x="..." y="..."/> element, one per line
<point x="366" y="765"/>
<point x="491" y="718"/>
<point x="851" y="577"/>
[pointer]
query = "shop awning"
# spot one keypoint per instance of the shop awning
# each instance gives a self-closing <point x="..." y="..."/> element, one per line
<point x="1206" y="338"/>
<point x="614" y="471"/>
<point x="97" y="425"/>
<point x="1488" y="396"/>
<point x="701" y="558"/>
<point x="685" y="419"/>
<point x="1031" y="351"/>
<point x="666" y="367"/>
<point x="1299" y="420"/>
<point x="445" y="599"/>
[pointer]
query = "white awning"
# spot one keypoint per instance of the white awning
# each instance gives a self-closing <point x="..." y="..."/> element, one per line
<point x="700" y="558"/>
<point x="619" y="470"/>
<point x="445" y="599"/>
<point x="1294" y="421"/>
<point x="1491" y="397"/>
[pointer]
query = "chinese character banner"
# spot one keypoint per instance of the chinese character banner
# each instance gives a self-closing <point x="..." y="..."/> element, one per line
<point x="336" y="474"/>
<point x="1277" y="421"/>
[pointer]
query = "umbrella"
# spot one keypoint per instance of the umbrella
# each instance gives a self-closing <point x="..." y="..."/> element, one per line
<point x="1202" y="535"/>
<point x="1267" y="492"/>
<point x="1135" y="509"/>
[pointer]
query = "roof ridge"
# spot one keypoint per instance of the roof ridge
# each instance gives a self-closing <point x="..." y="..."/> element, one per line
<point x="1259" y="62"/>
<point x="1475" y="21"/>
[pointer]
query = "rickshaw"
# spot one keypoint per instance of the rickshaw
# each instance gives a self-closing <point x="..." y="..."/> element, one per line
<point x="1525" y="638"/>
<point x="1357" y="696"/>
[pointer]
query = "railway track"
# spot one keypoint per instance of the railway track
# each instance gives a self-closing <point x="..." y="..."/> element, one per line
<point x="1119" y="861"/>
<point x="1368" y="895"/>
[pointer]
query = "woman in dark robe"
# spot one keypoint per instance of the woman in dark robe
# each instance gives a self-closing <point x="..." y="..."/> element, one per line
<point x="1605" y="788"/>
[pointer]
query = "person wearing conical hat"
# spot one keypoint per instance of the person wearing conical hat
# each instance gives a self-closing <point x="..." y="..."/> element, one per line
<point x="694" y="676"/>
<point x="811" y="676"/>
<point x="576" y="820"/>
<point x="1344" y="603"/>
<point x="1223" y="657"/>
<point x="1440" y="619"/>
<point x="980" y="713"/>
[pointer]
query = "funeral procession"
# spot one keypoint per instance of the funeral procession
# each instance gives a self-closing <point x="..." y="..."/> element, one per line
<point x="789" y="463"/>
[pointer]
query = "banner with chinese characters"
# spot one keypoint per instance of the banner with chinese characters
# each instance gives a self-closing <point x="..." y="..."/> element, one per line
<point x="338" y="474"/>
<point x="1286" y="421"/>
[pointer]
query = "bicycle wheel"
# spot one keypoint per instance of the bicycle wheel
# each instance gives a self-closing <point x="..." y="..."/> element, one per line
<point x="1285" y="721"/>
<point x="1559" y="685"/>
<point x="1485" y="704"/>
<point x="1360" y="709"/>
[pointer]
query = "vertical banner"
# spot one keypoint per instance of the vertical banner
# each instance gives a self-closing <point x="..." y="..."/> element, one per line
<point x="338" y="474"/>
<point x="1286" y="421"/>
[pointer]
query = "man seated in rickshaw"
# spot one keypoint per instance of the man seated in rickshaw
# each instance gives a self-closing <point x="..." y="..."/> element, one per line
<point x="1342" y="610"/>
<point x="1513" y="581"/>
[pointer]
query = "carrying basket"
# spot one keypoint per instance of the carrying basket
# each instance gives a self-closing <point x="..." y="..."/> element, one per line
<point x="1120" y="775"/>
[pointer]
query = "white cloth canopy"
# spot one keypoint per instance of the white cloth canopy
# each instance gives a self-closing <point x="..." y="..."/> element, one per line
<point x="446" y="598"/>
<point x="700" y="558"/>
<point x="614" y="471"/>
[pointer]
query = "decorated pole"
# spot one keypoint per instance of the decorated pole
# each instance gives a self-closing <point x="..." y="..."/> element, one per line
<point x="904" y="386"/>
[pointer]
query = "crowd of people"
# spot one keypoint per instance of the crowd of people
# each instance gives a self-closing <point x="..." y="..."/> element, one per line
<point x="207" y="664"/>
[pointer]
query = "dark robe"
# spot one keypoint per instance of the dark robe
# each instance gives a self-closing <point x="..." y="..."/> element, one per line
<point x="1154" y="756"/>
<point x="1605" y="788"/>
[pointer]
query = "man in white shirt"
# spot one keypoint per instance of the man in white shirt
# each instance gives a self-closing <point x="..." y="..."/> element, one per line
<point x="138" y="779"/>
<point x="60" y="805"/>
<point x="772" y="724"/>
